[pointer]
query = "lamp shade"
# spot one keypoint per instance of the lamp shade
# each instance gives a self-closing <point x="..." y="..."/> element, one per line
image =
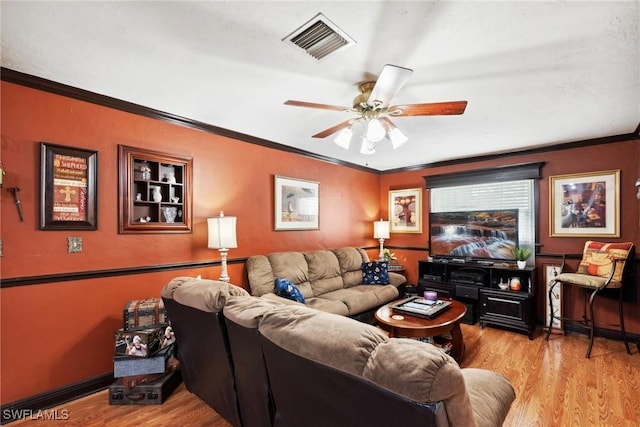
<point x="222" y="232"/>
<point x="375" y="130"/>
<point x="396" y="137"/>
<point x="343" y="139"/>
<point x="381" y="229"/>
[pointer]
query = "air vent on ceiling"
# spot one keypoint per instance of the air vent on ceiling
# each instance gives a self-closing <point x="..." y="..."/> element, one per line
<point x="319" y="37"/>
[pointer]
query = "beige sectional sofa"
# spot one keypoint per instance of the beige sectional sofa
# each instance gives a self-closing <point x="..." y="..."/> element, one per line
<point x="329" y="280"/>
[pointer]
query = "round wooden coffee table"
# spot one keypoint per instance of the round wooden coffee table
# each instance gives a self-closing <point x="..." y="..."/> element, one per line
<point x="417" y="327"/>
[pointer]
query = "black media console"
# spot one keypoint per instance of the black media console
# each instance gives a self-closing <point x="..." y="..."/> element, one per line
<point x="477" y="285"/>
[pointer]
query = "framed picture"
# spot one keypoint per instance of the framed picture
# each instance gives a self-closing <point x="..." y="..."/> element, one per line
<point x="586" y="204"/>
<point x="297" y="204"/>
<point x="68" y="188"/>
<point x="405" y="211"/>
<point x="550" y="272"/>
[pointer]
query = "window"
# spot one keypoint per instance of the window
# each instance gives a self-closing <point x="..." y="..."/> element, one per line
<point x="509" y="187"/>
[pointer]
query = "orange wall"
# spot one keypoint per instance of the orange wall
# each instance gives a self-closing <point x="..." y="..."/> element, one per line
<point x="56" y="334"/>
<point x="60" y="333"/>
<point x="623" y="155"/>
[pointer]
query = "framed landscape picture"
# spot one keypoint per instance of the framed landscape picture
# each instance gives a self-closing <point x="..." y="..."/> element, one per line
<point x="297" y="204"/>
<point x="586" y="204"/>
<point x="405" y="211"/>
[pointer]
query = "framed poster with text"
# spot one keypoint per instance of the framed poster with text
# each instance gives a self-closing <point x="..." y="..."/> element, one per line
<point x="68" y="188"/>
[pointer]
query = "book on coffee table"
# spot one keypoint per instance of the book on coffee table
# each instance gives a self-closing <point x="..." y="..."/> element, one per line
<point x="420" y="307"/>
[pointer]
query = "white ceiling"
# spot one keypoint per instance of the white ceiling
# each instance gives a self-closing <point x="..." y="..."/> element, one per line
<point x="534" y="73"/>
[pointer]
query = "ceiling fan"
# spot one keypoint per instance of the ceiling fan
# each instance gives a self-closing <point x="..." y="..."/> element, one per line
<point x="372" y="107"/>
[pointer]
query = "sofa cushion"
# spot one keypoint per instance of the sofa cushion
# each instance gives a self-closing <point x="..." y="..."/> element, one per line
<point x="598" y="259"/>
<point x="423" y="373"/>
<point x="318" y="303"/>
<point x="361" y="298"/>
<point x="324" y="271"/>
<point x="286" y="289"/>
<point x="350" y="260"/>
<point x="260" y="274"/>
<point x="328" y="306"/>
<point x="292" y="266"/>
<point x="337" y="341"/>
<point x="375" y="273"/>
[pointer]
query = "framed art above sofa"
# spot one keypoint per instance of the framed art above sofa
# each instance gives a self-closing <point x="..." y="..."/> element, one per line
<point x="296" y="204"/>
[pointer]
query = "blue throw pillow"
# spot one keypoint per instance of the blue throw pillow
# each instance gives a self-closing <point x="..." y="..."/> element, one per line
<point x="375" y="273"/>
<point x="286" y="289"/>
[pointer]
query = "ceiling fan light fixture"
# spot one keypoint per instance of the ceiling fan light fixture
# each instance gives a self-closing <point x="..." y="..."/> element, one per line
<point x="367" y="147"/>
<point x="375" y="130"/>
<point x="343" y="140"/>
<point x="396" y="137"/>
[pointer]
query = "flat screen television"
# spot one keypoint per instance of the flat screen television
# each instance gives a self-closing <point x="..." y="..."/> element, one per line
<point x="478" y="234"/>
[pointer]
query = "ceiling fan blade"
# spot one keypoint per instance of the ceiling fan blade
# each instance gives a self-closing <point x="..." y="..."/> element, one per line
<point x="325" y="133"/>
<point x="432" y="109"/>
<point x="314" y="105"/>
<point x="390" y="81"/>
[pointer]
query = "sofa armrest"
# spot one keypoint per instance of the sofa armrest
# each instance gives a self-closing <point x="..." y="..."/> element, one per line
<point x="397" y="279"/>
<point x="491" y="395"/>
<point x="202" y="294"/>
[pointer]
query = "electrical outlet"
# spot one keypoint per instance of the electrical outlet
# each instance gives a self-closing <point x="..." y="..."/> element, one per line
<point x="74" y="245"/>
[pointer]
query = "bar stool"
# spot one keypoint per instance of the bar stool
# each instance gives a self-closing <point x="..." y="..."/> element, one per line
<point x="603" y="269"/>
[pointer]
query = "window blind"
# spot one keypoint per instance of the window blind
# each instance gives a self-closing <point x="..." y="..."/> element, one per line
<point x="518" y="194"/>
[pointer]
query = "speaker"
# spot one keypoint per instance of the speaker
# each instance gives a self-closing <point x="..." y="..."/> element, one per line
<point x="470" y="317"/>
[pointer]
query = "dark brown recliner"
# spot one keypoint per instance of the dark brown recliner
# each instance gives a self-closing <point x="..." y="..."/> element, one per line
<point x="194" y="308"/>
<point x="605" y="268"/>
<point x="309" y="393"/>
<point x="243" y="316"/>
<point x="325" y="370"/>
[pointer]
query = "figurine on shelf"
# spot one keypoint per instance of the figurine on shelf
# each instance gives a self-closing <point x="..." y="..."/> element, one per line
<point x="145" y="170"/>
<point x="170" y="213"/>
<point x="155" y="193"/>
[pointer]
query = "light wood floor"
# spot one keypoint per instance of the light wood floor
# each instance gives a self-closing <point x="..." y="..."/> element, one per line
<point x="555" y="386"/>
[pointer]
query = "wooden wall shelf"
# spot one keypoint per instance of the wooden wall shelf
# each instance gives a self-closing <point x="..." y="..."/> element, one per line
<point x="154" y="192"/>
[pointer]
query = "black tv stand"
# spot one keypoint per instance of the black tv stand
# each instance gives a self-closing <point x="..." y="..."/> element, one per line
<point x="476" y="284"/>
